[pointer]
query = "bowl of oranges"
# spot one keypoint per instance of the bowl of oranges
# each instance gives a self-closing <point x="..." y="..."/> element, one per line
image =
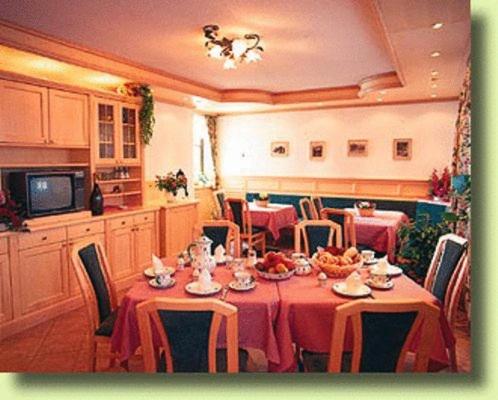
<point x="275" y="267"/>
<point x="337" y="262"/>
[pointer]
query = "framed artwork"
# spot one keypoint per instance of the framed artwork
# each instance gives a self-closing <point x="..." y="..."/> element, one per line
<point x="357" y="148"/>
<point x="402" y="149"/>
<point x="317" y="150"/>
<point x="279" y="149"/>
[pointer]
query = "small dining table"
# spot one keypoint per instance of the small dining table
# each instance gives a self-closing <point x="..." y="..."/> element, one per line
<point x="273" y="217"/>
<point x="275" y="316"/>
<point x="379" y="232"/>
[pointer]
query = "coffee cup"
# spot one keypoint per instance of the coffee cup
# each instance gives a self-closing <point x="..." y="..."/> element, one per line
<point x="297" y="256"/>
<point x="163" y="279"/>
<point x="243" y="278"/>
<point x="379" y="278"/>
<point x="368" y="255"/>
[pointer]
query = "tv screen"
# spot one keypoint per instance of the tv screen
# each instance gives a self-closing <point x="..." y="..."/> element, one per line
<point x="48" y="193"/>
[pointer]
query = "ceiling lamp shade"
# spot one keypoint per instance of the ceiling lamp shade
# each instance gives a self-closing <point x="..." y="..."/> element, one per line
<point x="234" y="51"/>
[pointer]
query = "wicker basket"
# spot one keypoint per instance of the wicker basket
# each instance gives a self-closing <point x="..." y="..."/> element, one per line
<point x="366" y="212"/>
<point x="262" y="203"/>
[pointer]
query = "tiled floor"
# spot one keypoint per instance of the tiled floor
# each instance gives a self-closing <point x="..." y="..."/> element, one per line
<point x="60" y="345"/>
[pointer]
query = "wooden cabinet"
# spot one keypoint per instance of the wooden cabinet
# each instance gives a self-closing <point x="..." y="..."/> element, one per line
<point x="5" y="287"/>
<point x="68" y="119"/>
<point x="23" y="113"/>
<point x="42" y="276"/>
<point x="177" y="227"/>
<point x="129" y="138"/>
<point x="145" y="246"/>
<point x="106" y="140"/>
<point x="121" y="252"/>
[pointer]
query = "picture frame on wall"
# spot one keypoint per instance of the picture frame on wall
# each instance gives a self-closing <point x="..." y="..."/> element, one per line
<point x="279" y="149"/>
<point x="358" y="148"/>
<point x="402" y="149"/>
<point x="317" y="151"/>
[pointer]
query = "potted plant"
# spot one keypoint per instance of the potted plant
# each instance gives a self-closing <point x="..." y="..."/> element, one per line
<point x="262" y="200"/>
<point x="440" y="185"/>
<point x="365" y="208"/>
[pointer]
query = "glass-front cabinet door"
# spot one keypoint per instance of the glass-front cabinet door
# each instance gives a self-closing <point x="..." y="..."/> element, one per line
<point x="106" y="132"/>
<point x="130" y="138"/>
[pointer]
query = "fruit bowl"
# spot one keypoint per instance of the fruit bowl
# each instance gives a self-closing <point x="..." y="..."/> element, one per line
<point x="276" y="277"/>
<point x="337" y="263"/>
<point x="275" y="267"/>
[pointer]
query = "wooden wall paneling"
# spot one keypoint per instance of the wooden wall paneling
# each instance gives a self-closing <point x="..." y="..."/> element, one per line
<point x="301" y="185"/>
<point x="206" y="203"/>
<point x="343" y="188"/>
<point x="5" y="286"/>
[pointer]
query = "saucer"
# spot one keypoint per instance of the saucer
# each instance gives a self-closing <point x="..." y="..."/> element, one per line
<point x="392" y="270"/>
<point x="194" y="288"/>
<point x="149" y="272"/>
<point x="340" y="288"/>
<point x="234" y="285"/>
<point x="155" y="285"/>
<point x="386" y="286"/>
<point x="371" y="262"/>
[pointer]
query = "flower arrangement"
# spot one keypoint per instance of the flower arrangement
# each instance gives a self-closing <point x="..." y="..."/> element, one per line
<point x="263" y="196"/>
<point x="10" y="218"/>
<point x="365" y="208"/>
<point x="262" y="199"/>
<point x="441" y="185"/>
<point x="171" y="182"/>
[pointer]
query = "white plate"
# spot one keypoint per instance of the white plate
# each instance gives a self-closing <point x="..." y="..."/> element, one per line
<point x="371" y="262"/>
<point x="392" y="270"/>
<point x="340" y="288"/>
<point x="276" y="277"/>
<point x="386" y="286"/>
<point x="155" y="285"/>
<point x="193" y="288"/>
<point x="234" y="285"/>
<point x="149" y="272"/>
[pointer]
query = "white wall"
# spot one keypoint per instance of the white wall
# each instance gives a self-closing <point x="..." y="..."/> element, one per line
<point x="171" y="144"/>
<point x="245" y="141"/>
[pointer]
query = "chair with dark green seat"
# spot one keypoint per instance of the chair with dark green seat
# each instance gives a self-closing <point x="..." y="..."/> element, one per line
<point x="92" y="272"/>
<point x="346" y="220"/>
<point x="446" y="277"/>
<point x="382" y="332"/>
<point x="188" y="332"/>
<point x="307" y="209"/>
<point x="219" y="201"/>
<point x="221" y="232"/>
<point x="317" y="203"/>
<point x="316" y="233"/>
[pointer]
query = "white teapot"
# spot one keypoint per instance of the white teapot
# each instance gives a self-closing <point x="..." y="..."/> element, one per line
<point x="200" y="254"/>
<point x="303" y="267"/>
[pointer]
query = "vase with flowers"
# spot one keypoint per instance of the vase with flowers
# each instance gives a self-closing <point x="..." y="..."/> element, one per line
<point x="440" y="185"/>
<point x="365" y="208"/>
<point x="262" y="199"/>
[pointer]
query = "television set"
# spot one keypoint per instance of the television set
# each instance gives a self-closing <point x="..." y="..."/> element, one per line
<point x="41" y="193"/>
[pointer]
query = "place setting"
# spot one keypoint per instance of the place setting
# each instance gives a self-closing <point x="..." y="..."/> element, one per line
<point x="160" y="274"/>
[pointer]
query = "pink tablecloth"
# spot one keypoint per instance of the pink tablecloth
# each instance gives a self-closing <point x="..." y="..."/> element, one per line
<point x="379" y="232"/>
<point x="274" y="217"/>
<point x="257" y="314"/>
<point x="307" y="310"/>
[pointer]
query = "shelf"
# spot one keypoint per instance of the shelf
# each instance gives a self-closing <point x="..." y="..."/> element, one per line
<point x="31" y="165"/>
<point x="110" y="181"/>
<point x="113" y="164"/>
<point x="123" y="194"/>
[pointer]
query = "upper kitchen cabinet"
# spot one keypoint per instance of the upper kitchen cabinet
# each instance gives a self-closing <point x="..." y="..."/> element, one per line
<point x="23" y="113"/>
<point x="68" y="119"/>
<point x="130" y="140"/>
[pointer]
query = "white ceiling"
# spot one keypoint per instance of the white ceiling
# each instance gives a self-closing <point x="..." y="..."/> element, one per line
<point x="308" y="43"/>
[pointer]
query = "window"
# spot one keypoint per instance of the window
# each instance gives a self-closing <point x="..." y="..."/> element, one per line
<point x="203" y="160"/>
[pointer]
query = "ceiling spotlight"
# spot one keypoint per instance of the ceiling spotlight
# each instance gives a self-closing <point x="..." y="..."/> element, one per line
<point x="435" y="72"/>
<point x="437" y="25"/>
<point x="382" y="92"/>
<point x="435" y="54"/>
<point x="380" y="99"/>
<point x="433" y="95"/>
<point x="434" y="86"/>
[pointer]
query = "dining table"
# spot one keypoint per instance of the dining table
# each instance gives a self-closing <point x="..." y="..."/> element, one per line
<point x="273" y="217"/>
<point x="276" y="317"/>
<point x="379" y="231"/>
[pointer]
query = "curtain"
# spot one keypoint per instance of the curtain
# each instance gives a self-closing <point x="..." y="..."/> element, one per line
<point x="213" y="139"/>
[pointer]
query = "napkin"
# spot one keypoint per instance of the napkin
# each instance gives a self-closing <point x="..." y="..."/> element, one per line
<point x="219" y="254"/>
<point x="382" y="266"/>
<point x="204" y="279"/>
<point x="353" y="282"/>
<point x="157" y="264"/>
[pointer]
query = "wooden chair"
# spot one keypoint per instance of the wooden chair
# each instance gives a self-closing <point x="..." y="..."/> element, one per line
<point x="382" y="333"/>
<point x="92" y="271"/>
<point x="316" y="233"/>
<point x="307" y="209"/>
<point x="219" y="201"/>
<point x="237" y="211"/>
<point x="317" y="202"/>
<point x="221" y="232"/>
<point x="346" y="220"/>
<point x="446" y="277"/>
<point x="188" y="332"/>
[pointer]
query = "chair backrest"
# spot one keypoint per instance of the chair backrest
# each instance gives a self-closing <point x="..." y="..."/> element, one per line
<point x="237" y="211"/>
<point x="317" y="202"/>
<point x="448" y="270"/>
<point x="316" y="233"/>
<point x="307" y="209"/>
<point x="382" y="333"/>
<point x="92" y="272"/>
<point x="346" y="220"/>
<point x="188" y="331"/>
<point x="219" y="201"/>
<point x="221" y="232"/>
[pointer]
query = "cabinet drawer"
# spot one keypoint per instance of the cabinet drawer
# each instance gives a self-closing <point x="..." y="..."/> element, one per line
<point x="3" y="246"/>
<point x="27" y="240"/>
<point x="144" y="218"/>
<point x="86" y="229"/>
<point x="120" y="222"/>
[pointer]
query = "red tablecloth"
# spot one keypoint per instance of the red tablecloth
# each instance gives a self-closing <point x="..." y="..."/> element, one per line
<point x="306" y="314"/>
<point x="274" y="217"/>
<point x="379" y="232"/>
<point x="257" y="313"/>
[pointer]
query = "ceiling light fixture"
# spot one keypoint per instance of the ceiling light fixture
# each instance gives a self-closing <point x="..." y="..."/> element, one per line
<point x="234" y="51"/>
<point x="433" y="95"/>
<point x="435" y="54"/>
<point x="435" y="72"/>
<point x="434" y="86"/>
<point x="437" y="25"/>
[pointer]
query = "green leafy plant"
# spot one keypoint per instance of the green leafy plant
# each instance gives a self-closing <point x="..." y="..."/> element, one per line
<point x="146" y="114"/>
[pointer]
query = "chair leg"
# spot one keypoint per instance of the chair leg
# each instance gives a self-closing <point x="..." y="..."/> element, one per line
<point x="92" y="357"/>
<point x="453" y="359"/>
